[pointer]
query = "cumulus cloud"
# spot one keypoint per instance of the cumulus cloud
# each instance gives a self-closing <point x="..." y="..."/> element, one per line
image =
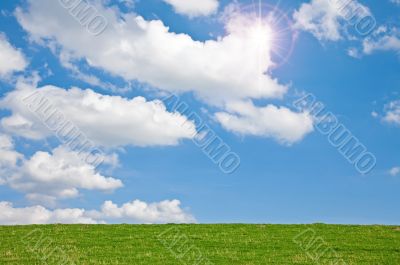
<point x="46" y="177"/>
<point x="11" y="59"/>
<point x="326" y="19"/>
<point x="8" y="157"/>
<point x="41" y="215"/>
<point x="159" y="212"/>
<point x="109" y="121"/>
<point x="132" y="212"/>
<point x="394" y="171"/>
<point x="194" y="8"/>
<point x="382" y="39"/>
<point x="392" y="112"/>
<point x="280" y="123"/>
<point x="219" y="71"/>
<point x="133" y="48"/>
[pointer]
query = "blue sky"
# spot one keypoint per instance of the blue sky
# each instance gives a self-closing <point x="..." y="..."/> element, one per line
<point x="288" y="173"/>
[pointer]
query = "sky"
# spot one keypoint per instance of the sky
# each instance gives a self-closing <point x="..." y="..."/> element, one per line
<point x="213" y="111"/>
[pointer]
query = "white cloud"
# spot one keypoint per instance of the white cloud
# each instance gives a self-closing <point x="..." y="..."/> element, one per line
<point x="133" y="212"/>
<point x="353" y="52"/>
<point x="280" y="123"/>
<point x="11" y="59"/>
<point x="382" y="39"/>
<point x="110" y="121"/>
<point x="326" y="19"/>
<point x="397" y="2"/>
<point x="160" y="212"/>
<point x="8" y="157"/>
<point x="394" y="171"/>
<point x="217" y="71"/>
<point x="194" y="8"/>
<point x="392" y="112"/>
<point x="46" y="177"/>
<point x="40" y="215"/>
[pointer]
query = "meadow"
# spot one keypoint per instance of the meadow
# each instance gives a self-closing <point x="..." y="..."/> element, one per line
<point x="199" y="244"/>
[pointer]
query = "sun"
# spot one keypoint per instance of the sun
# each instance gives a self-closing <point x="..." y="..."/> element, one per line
<point x="271" y="29"/>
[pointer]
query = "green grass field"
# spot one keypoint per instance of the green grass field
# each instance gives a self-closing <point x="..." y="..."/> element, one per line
<point x="199" y="244"/>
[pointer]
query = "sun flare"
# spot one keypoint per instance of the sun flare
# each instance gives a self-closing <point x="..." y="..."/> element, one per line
<point x="270" y="29"/>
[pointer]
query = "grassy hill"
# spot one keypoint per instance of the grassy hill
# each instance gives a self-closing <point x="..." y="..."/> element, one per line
<point x="199" y="244"/>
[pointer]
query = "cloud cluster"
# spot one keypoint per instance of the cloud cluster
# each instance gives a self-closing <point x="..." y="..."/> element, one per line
<point x="330" y="20"/>
<point x="160" y="212"/>
<point x="232" y="68"/>
<point x="110" y="121"/>
<point x="132" y="212"/>
<point x="382" y="39"/>
<point x="229" y="72"/>
<point x="11" y="59"/>
<point x="194" y="8"/>
<point x="47" y="177"/>
<point x="137" y="49"/>
<point x="392" y="112"/>
<point x="327" y="20"/>
<point x="41" y="215"/>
